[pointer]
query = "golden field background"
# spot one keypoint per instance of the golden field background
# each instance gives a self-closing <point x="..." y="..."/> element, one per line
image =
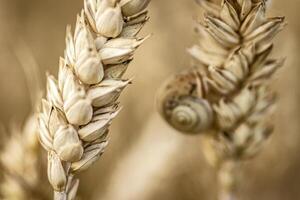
<point x="146" y="159"/>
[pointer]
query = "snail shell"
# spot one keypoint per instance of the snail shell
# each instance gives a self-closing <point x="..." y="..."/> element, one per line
<point x="181" y="103"/>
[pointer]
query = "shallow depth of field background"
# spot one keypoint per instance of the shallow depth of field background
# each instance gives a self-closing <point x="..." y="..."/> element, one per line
<point x="147" y="160"/>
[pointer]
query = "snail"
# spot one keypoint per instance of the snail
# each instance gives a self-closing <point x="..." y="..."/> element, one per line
<point x="181" y="102"/>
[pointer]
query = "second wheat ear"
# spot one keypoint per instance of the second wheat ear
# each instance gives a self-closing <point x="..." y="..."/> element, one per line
<point x="227" y="97"/>
<point x="81" y="104"/>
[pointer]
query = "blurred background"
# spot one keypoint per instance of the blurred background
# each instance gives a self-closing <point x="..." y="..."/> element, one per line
<point x="146" y="159"/>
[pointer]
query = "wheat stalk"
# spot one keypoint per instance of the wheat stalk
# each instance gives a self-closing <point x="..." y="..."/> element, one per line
<point x="82" y="102"/>
<point x="227" y="96"/>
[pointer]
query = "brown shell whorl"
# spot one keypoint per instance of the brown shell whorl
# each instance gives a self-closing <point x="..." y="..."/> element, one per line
<point x="181" y="103"/>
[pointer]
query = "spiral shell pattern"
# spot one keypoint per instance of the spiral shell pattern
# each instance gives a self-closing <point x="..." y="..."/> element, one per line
<point x="181" y="103"/>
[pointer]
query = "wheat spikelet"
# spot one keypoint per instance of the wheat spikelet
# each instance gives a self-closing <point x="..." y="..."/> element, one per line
<point x="82" y="102"/>
<point x="227" y="95"/>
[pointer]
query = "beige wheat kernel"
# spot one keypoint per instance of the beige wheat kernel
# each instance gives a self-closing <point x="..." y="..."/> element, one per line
<point x="82" y="102"/>
<point x="230" y="83"/>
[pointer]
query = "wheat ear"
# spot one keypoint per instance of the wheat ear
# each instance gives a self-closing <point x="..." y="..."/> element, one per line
<point x="227" y="96"/>
<point x="82" y="102"/>
<point x="20" y="157"/>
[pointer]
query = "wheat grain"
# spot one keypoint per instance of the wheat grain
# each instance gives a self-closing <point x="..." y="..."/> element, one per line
<point x="231" y="83"/>
<point x="82" y="102"/>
